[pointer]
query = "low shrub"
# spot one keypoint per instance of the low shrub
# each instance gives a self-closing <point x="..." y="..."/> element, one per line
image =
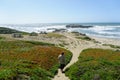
<point x="29" y="59"/>
<point x="96" y="64"/>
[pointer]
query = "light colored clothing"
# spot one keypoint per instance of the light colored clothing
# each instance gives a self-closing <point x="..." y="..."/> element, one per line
<point x="61" y="59"/>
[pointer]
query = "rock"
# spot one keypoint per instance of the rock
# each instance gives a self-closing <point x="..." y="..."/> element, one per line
<point x="43" y="32"/>
<point x="51" y="28"/>
<point x="33" y="34"/>
<point x="82" y="34"/>
<point x="23" y="77"/>
<point x="17" y="35"/>
<point x="77" y="26"/>
<point x="60" y="30"/>
<point x="96" y="77"/>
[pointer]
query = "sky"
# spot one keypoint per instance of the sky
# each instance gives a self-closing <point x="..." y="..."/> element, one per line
<point x="59" y="11"/>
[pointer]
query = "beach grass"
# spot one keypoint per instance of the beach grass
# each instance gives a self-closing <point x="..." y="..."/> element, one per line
<point x="112" y="46"/>
<point x="84" y="38"/>
<point x="54" y="35"/>
<point x="96" y="64"/>
<point x="2" y="38"/>
<point x="81" y="36"/>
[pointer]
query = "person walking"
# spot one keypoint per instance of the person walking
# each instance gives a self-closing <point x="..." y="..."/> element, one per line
<point x="61" y="59"/>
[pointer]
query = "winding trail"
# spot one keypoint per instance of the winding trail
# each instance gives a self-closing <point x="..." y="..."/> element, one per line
<point x="76" y="48"/>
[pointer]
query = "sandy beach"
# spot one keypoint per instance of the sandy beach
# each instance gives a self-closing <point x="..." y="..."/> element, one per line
<point x="107" y="40"/>
<point x="70" y="42"/>
<point x="67" y="36"/>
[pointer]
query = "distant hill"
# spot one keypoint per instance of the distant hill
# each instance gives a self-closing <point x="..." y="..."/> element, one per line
<point x="4" y="30"/>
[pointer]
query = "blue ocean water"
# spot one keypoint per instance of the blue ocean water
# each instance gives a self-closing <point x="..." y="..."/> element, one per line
<point x="108" y="30"/>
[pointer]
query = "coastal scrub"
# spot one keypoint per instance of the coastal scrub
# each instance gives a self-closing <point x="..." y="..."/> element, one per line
<point x="96" y="64"/>
<point x="29" y="60"/>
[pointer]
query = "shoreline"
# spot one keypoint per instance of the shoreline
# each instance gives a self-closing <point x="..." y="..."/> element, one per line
<point x="103" y="40"/>
<point x="101" y="30"/>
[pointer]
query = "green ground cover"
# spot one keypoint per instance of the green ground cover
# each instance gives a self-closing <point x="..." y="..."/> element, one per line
<point x="96" y="63"/>
<point x="29" y="60"/>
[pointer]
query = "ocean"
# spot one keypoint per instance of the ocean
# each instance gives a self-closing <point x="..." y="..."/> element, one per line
<point x="107" y="30"/>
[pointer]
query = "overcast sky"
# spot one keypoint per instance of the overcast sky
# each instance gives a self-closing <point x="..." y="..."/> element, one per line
<point x="59" y="11"/>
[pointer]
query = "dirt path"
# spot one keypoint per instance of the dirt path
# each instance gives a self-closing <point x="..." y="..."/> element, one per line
<point x="76" y="47"/>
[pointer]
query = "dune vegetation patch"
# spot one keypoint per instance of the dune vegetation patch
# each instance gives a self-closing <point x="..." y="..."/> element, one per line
<point x="112" y="46"/>
<point x="84" y="38"/>
<point x="29" y="60"/>
<point x="54" y="35"/>
<point x="2" y="38"/>
<point x="96" y="64"/>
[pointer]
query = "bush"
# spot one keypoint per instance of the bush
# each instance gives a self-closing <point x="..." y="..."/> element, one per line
<point x="29" y="59"/>
<point x="33" y="34"/>
<point x="2" y="38"/>
<point x="96" y="63"/>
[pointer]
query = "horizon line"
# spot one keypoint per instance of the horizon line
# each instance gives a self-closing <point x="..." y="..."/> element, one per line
<point x="59" y="22"/>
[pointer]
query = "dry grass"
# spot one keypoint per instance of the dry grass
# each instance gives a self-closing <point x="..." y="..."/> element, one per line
<point x="54" y="35"/>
